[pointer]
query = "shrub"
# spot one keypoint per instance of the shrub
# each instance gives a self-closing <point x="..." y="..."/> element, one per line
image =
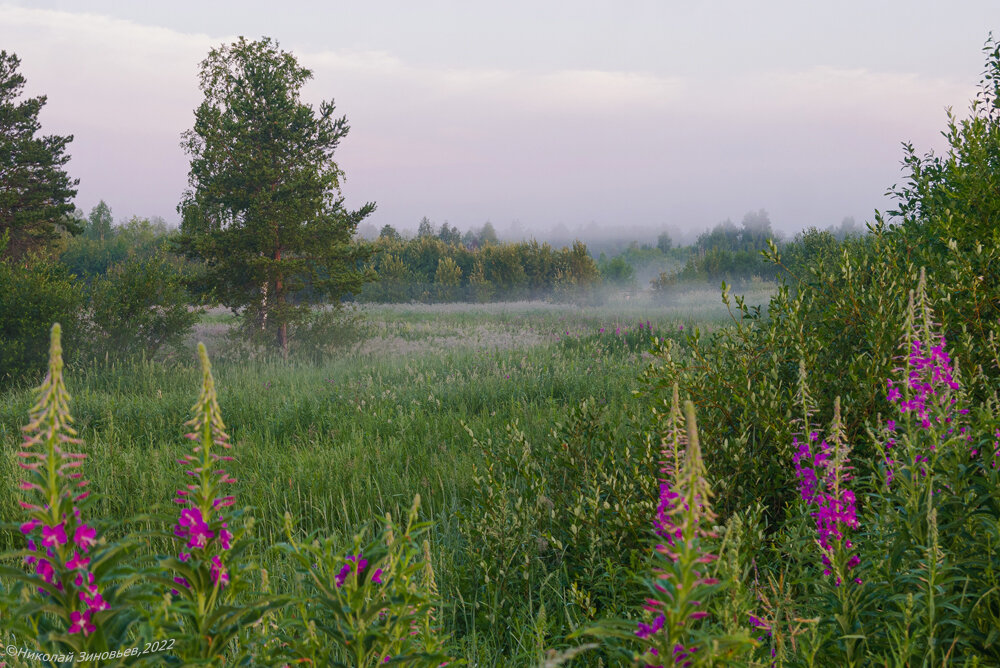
<point x="842" y="319"/>
<point x="447" y="278"/>
<point x="326" y="332"/>
<point x="34" y="292"/>
<point x="139" y="306"/>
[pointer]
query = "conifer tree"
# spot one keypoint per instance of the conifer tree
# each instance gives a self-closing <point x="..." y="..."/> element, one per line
<point x="264" y="208"/>
<point x="35" y="190"/>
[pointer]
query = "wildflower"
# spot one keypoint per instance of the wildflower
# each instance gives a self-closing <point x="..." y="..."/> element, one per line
<point x="359" y="564"/>
<point x="219" y="575"/>
<point x="55" y="479"/>
<point x="81" y="623"/>
<point x="77" y="562"/>
<point x="202" y="527"/>
<point x="85" y="537"/>
<point x="182" y="582"/>
<point x="823" y="475"/>
<point x="928" y="391"/>
<point x="646" y="630"/>
<point x="52" y="536"/>
<point x="679" y="585"/>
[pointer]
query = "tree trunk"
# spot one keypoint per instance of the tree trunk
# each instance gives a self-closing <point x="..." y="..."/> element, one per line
<point x="279" y="299"/>
<point x="263" y="303"/>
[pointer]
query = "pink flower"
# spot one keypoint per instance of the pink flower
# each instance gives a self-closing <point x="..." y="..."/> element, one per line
<point x="52" y="536"/>
<point x="29" y="526"/>
<point x="182" y="582"/>
<point x="45" y="570"/>
<point x="342" y="575"/>
<point x="219" y="575"/>
<point x="94" y="601"/>
<point x="81" y="623"/>
<point x="200" y="535"/>
<point x="646" y="630"/>
<point x="225" y="538"/>
<point x="85" y="537"/>
<point x="77" y="562"/>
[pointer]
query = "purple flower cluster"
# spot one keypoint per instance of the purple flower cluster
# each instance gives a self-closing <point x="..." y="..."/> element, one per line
<point x="930" y="376"/>
<point x="822" y="476"/>
<point x="58" y="540"/>
<point x="202" y="528"/>
<point x="193" y="528"/>
<point x="61" y="557"/>
<point x="359" y="564"/>
<point x="930" y="386"/>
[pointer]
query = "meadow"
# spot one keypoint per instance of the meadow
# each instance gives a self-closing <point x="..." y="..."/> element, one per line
<point x="359" y="434"/>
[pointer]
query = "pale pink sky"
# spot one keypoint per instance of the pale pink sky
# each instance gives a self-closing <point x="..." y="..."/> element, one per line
<point x="627" y="115"/>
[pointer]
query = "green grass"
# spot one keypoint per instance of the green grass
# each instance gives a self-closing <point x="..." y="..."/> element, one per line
<point x="343" y="442"/>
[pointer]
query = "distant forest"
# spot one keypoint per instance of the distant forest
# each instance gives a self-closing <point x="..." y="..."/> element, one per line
<point x="445" y="264"/>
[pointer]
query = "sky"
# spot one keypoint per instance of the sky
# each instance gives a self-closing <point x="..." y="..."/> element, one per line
<point x="626" y="116"/>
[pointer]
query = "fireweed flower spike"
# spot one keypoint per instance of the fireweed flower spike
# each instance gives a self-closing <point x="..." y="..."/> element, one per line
<point x="823" y="470"/>
<point x="681" y="585"/>
<point x="927" y="394"/>
<point x="58" y="539"/>
<point x="202" y="530"/>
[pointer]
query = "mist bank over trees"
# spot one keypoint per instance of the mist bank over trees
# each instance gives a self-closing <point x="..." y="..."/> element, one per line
<point x="610" y="238"/>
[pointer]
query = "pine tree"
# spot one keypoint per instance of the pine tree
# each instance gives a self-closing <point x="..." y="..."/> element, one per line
<point x="35" y="191"/>
<point x="264" y="208"/>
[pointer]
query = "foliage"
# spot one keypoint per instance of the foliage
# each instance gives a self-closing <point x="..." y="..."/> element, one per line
<point x="138" y="306"/>
<point x="99" y="222"/>
<point x="843" y="320"/>
<point x="371" y="606"/>
<point x="326" y="333"/>
<point x="448" y="278"/>
<point x="429" y="269"/>
<point x="80" y="602"/>
<point x="34" y="292"/>
<point x="89" y="256"/>
<point x="264" y="210"/>
<point x="35" y="198"/>
<point x="616" y="271"/>
<point x="557" y="524"/>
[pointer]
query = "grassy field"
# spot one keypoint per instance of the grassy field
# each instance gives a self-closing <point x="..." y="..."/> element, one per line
<point x="339" y="443"/>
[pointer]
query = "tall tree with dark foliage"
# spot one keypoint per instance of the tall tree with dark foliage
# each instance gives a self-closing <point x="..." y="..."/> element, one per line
<point x="35" y="190"/>
<point x="264" y="208"/>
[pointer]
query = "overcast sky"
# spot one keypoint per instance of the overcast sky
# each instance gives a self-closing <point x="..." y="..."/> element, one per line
<point x="621" y="114"/>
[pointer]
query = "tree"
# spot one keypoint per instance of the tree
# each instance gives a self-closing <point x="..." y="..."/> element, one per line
<point x="35" y="191"/>
<point x="664" y="242"/>
<point x="449" y="234"/>
<point x="487" y="235"/>
<point x="389" y="232"/>
<point x="264" y="208"/>
<point x="425" y="228"/>
<point x="99" y="223"/>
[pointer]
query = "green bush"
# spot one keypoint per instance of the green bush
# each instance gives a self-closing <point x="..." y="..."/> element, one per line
<point x="34" y="293"/>
<point x="138" y="306"/>
<point x="842" y="319"/>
